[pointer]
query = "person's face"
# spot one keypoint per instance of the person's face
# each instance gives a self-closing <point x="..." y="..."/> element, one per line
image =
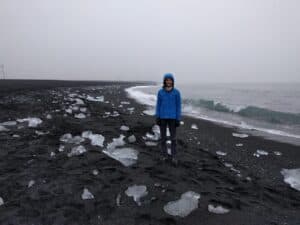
<point x="169" y="82"/>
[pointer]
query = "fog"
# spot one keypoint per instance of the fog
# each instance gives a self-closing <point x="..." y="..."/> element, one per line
<point x="199" y="41"/>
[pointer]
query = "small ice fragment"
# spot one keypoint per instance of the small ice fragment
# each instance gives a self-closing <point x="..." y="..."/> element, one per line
<point x="194" y="126"/>
<point x="156" y="133"/>
<point x="31" y="183"/>
<point x="277" y="153"/>
<point x="239" y="144"/>
<point x="228" y="165"/>
<point x="118" y="199"/>
<point x="116" y="142"/>
<point x="151" y="143"/>
<point x="77" y="150"/>
<point x="95" y="172"/>
<point x="1" y="201"/>
<point x="32" y="121"/>
<point x="169" y="151"/>
<point x="217" y="209"/>
<point x="240" y="135"/>
<point x="124" y="128"/>
<point x="95" y="99"/>
<point x="3" y="128"/>
<point x="40" y="132"/>
<point x="49" y="117"/>
<point x="83" y="109"/>
<point x="52" y="154"/>
<point x="131" y="139"/>
<point x="292" y="177"/>
<point x="184" y="206"/>
<point x="149" y="112"/>
<point x="75" y="108"/>
<point x="69" y="111"/>
<point x="137" y="192"/>
<point x="68" y="138"/>
<point x="181" y="123"/>
<point x="96" y="139"/>
<point x="261" y="152"/>
<point x="86" y="194"/>
<point x="126" y="156"/>
<point x="9" y="123"/>
<point x="79" y="101"/>
<point x="61" y="148"/>
<point x="80" y="116"/>
<point x="125" y="103"/>
<point x="16" y="136"/>
<point x="221" y="153"/>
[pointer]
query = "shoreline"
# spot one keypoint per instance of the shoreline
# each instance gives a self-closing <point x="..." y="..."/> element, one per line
<point x="251" y="187"/>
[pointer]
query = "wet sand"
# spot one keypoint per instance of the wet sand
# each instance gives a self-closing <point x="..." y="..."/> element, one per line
<point x="251" y="187"/>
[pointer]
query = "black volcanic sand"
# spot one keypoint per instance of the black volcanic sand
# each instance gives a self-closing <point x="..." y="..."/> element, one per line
<point x="258" y="196"/>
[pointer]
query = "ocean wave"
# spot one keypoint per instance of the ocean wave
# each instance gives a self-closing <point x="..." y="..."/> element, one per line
<point x="252" y="112"/>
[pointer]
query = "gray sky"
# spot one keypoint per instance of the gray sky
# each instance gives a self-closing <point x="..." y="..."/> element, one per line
<point x="206" y="41"/>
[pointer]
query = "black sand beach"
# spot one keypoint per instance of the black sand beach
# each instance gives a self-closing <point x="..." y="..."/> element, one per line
<point x="41" y="184"/>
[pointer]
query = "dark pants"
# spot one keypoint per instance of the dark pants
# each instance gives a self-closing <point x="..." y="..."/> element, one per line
<point x="171" y="123"/>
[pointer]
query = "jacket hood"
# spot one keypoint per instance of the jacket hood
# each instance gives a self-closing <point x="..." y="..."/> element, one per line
<point x="170" y="76"/>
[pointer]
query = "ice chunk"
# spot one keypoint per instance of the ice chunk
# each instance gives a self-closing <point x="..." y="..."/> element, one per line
<point x="31" y="183"/>
<point x="95" y="172"/>
<point x="240" y="135"/>
<point x="217" y="209"/>
<point x="292" y="177"/>
<point x="125" y="103"/>
<point x="131" y="139"/>
<point x="156" y="133"/>
<point x="239" y="145"/>
<point x="16" y="136"/>
<point x="83" y="109"/>
<point x="277" y="153"/>
<point x="77" y="150"/>
<point x="126" y="156"/>
<point x="221" y="153"/>
<point x="96" y="139"/>
<point x="124" y="128"/>
<point x="95" y="99"/>
<point x="137" y="192"/>
<point x="118" y="199"/>
<point x="52" y="154"/>
<point x="69" y="111"/>
<point x="149" y="112"/>
<point x="259" y="152"/>
<point x="116" y="142"/>
<point x="151" y="143"/>
<point x="61" y="148"/>
<point x="194" y="126"/>
<point x="9" y="123"/>
<point x="68" y="138"/>
<point x="80" y="116"/>
<point x="228" y="165"/>
<point x="49" y="117"/>
<point x="32" y="121"/>
<point x="3" y="128"/>
<point x="1" y="201"/>
<point x="86" y="194"/>
<point x="184" y="206"/>
<point x="79" y="101"/>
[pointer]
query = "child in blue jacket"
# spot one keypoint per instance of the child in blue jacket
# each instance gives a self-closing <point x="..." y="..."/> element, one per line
<point x="168" y="114"/>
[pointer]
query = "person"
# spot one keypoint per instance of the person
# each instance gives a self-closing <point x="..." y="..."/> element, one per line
<point x="168" y="114"/>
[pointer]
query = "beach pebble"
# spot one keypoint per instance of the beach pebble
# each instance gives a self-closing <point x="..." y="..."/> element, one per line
<point x="217" y="209"/>
<point x="86" y="194"/>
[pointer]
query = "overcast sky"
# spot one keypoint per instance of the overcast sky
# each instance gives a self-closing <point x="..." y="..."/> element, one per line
<point x="197" y="40"/>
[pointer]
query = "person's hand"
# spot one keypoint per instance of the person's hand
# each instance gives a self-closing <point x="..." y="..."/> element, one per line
<point x="177" y="123"/>
<point x="158" y="121"/>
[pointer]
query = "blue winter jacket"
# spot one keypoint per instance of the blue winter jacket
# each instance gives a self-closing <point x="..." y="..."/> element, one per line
<point x="168" y="104"/>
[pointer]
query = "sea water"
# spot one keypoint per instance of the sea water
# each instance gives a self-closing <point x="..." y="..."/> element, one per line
<point x="268" y="109"/>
